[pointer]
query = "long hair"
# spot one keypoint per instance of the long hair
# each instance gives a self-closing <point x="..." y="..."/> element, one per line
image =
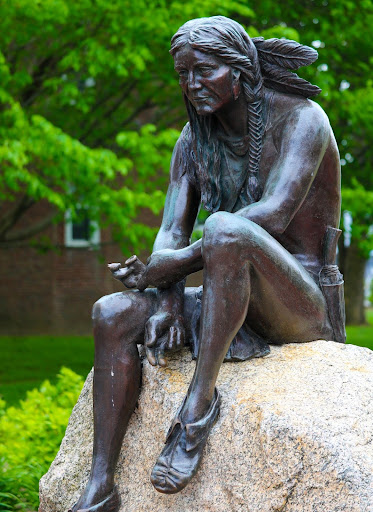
<point x="227" y="40"/>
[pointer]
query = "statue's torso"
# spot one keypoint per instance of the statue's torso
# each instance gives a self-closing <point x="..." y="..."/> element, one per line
<point x="320" y="208"/>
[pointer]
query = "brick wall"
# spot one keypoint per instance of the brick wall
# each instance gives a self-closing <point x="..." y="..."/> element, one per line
<point x="53" y="292"/>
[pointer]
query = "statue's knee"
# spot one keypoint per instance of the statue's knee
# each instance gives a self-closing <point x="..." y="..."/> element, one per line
<point x="220" y="234"/>
<point x="107" y="310"/>
<point x="98" y="310"/>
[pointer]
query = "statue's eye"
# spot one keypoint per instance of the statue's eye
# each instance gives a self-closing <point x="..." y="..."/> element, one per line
<point x="205" y="70"/>
<point x="183" y="74"/>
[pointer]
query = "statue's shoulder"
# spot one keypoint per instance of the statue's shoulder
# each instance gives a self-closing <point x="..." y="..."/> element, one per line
<point x="290" y="109"/>
<point x="182" y="158"/>
<point x="183" y="144"/>
<point x="185" y="135"/>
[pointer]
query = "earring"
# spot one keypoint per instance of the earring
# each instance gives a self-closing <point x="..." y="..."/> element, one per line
<point x="236" y="90"/>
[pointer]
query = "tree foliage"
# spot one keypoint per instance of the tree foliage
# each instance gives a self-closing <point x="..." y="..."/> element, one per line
<point x="30" y="435"/>
<point x="88" y="109"/>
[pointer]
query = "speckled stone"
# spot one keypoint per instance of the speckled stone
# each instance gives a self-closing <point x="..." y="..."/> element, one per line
<point x="295" y="435"/>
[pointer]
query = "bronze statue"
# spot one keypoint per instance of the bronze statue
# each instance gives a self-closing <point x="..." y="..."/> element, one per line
<point x="262" y="158"/>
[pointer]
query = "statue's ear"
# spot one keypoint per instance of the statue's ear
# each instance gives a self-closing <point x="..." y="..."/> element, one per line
<point x="236" y="83"/>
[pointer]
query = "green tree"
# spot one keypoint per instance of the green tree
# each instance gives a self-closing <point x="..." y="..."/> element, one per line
<point x="341" y="32"/>
<point x="89" y="105"/>
<point x="88" y="109"/>
<point x="30" y="434"/>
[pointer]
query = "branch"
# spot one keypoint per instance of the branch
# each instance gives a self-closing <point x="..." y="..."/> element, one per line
<point x="38" y="76"/>
<point x="23" y="234"/>
<point x="148" y="104"/>
<point x="11" y="217"/>
<point x="109" y="111"/>
<point x="141" y="108"/>
<point x="98" y="104"/>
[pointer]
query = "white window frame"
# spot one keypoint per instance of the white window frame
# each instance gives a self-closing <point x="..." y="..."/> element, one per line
<point x="95" y="238"/>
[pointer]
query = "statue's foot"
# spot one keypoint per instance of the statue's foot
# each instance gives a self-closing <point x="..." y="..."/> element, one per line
<point x="182" y="454"/>
<point x="110" y="503"/>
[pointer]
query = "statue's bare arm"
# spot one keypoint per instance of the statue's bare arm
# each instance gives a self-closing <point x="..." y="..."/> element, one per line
<point x="180" y="212"/>
<point x="301" y="140"/>
<point x="165" y="329"/>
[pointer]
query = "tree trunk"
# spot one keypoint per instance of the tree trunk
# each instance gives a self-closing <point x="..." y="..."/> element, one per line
<point x="353" y="267"/>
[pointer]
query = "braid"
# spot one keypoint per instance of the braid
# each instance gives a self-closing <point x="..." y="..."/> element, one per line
<point x="253" y="91"/>
<point x="227" y="40"/>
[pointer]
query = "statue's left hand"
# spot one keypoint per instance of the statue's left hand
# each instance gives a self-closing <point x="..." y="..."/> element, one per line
<point x="131" y="274"/>
<point x="164" y="331"/>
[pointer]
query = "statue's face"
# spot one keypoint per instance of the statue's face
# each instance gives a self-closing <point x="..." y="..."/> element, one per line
<point x="205" y="80"/>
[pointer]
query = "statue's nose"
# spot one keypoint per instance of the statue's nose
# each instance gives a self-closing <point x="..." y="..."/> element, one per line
<point x="193" y="82"/>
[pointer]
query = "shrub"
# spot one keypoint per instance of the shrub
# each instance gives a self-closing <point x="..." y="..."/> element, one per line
<point x="30" y="435"/>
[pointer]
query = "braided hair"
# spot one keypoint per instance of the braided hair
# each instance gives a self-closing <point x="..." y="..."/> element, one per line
<point x="227" y="40"/>
<point x="260" y="62"/>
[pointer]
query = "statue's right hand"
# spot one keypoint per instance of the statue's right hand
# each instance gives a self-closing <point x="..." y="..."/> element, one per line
<point x="163" y="331"/>
<point x="130" y="274"/>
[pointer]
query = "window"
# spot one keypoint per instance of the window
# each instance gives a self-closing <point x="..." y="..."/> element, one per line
<point x="81" y="233"/>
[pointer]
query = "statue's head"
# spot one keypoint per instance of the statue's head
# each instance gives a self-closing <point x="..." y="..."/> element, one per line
<point x="216" y="60"/>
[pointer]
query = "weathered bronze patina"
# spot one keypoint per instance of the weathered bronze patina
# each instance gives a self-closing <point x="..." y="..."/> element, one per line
<point x="262" y="158"/>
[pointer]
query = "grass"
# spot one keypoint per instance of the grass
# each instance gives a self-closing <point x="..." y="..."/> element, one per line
<point x="27" y="361"/>
<point x="362" y="335"/>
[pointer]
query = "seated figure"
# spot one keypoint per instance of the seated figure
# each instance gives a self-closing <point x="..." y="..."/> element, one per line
<point x="262" y="158"/>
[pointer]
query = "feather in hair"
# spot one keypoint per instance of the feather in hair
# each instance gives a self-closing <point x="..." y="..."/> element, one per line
<point x="282" y="80"/>
<point x="284" y="53"/>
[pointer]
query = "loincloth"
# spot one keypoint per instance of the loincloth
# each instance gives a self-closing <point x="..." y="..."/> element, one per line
<point x="245" y="345"/>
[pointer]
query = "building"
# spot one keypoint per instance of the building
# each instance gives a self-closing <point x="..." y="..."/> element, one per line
<point x="53" y="292"/>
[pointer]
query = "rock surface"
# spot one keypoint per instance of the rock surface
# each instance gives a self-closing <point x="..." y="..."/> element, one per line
<point x="295" y="435"/>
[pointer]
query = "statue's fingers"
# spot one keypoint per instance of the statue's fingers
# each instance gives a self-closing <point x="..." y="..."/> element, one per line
<point x="152" y="332"/>
<point x="171" y="341"/>
<point x="139" y="265"/>
<point x="122" y="272"/>
<point x="131" y="260"/>
<point x="113" y="267"/>
<point x="150" y="337"/>
<point x="150" y="355"/>
<point x="154" y="328"/>
<point x="162" y="361"/>
<point x="130" y="281"/>
<point x="150" y="340"/>
<point x="180" y="337"/>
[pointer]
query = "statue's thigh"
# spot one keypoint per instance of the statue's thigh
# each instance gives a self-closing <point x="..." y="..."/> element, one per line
<point x="123" y="315"/>
<point x="286" y="304"/>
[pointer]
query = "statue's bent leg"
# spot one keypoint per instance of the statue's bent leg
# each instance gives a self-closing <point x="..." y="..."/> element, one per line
<point x="244" y="267"/>
<point x="249" y="275"/>
<point x="118" y="321"/>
